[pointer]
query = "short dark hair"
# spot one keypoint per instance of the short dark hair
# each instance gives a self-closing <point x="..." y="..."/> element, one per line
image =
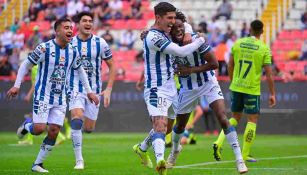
<point x="257" y="26"/>
<point x="80" y="15"/>
<point x="163" y="7"/>
<point x="180" y="16"/>
<point x="59" y="22"/>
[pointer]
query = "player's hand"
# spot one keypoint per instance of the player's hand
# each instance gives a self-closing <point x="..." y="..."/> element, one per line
<point x="143" y="34"/>
<point x="93" y="98"/>
<point x="183" y="70"/>
<point x="28" y="98"/>
<point x="139" y="85"/>
<point x="12" y="92"/>
<point x="106" y="97"/>
<point x="272" y="101"/>
<point x="201" y="34"/>
<point x="187" y="39"/>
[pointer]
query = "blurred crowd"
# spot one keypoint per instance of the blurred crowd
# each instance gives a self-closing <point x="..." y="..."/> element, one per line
<point x="21" y="37"/>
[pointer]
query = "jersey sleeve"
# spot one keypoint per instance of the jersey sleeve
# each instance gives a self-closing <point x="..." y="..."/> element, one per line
<point x="157" y="41"/>
<point x="204" y="48"/>
<point x="106" y="52"/>
<point x="267" y="56"/>
<point x="38" y="55"/>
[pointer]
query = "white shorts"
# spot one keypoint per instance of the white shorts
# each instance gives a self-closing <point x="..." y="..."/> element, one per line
<point x="188" y="99"/>
<point x="160" y="99"/>
<point x="43" y="112"/>
<point x="80" y="100"/>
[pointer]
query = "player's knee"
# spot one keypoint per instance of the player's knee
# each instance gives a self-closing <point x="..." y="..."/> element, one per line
<point x="88" y="130"/>
<point x="76" y="124"/>
<point x="38" y="129"/>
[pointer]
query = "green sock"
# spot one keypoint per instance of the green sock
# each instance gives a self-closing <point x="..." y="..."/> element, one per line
<point x="220" y="140"/>
<point x="61" y="136"/>
<point x="67" y="128"/>
<point x="249" y="137"/>
<point x="168" y="138"/>
<point x="29" y="137"/>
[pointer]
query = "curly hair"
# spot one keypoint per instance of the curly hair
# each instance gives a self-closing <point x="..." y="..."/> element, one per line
<point x="180" y="16"/>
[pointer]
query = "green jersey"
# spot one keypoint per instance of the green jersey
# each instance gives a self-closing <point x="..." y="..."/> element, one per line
<point x="33" y="74"/>
<point x="250" y="55"/>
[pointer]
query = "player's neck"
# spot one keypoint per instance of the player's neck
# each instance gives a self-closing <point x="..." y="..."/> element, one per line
<point x="61" y="43"/>
<point x="157" y="27"/>
<point x="84" y="37"/>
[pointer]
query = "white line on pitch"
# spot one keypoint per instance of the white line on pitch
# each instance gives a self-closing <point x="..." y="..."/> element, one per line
<point x="231" y="161"/>
<point x="258" y="168"/>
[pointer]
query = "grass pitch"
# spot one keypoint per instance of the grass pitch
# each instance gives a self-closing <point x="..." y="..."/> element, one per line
<point x="111" y="154"/>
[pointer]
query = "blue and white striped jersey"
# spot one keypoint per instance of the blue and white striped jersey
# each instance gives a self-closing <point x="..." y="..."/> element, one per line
<point x="54" y="66"/>
<point x="196" y="59"/>
<point x="158" y="65"/>
<point x="92" y="52"/>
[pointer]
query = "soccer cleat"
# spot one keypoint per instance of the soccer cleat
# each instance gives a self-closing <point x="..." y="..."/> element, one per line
<point x="217" y="152"/>
<point x="39" y="168"/>
<point x="241" y="167"/>
<point x="161" y="167"/>
<point x="143" y="155"/>
<point x="21" y="131"/>
<point x="171" y="160"/>
<point x="250" y="158"/>
<point x="79" y="165"/>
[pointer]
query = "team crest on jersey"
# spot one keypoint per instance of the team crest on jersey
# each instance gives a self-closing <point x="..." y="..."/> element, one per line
<point x="62" y="59"/>
<point x="87" y="65"/>
<point x="83" y="50"/>
<point x="58" y="78"/>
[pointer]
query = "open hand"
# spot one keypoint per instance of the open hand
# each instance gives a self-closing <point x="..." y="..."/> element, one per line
<point x="12" y="92"/>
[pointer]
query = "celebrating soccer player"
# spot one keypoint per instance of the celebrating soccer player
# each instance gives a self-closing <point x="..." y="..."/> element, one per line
<point x="197" y="78"/>
<point x="248" y="56"/>
<point x="55" y="58"/>
<point x="93" y="50"/>
<point x="160" y="89"/>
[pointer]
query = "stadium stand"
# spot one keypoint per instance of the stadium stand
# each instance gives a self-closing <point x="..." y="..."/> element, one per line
<point x="287" y="44"/>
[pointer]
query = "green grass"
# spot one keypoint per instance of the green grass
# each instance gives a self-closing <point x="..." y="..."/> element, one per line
<point x="111" y="154"/>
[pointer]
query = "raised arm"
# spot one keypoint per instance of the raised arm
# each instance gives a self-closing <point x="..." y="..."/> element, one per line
<point x="183" y="51"/>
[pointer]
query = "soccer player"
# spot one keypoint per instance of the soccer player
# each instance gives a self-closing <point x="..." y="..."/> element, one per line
<point x="197" y="78"/>
<point x="159" y="84"/>
<point x="93" y="50"/>
<point x="55" y="59"/>
<point x="248" y="56"/>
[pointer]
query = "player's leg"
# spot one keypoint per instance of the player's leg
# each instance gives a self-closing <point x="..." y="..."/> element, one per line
<point x="236" y="108"/>
<point x="46" y="147"/>
<point x="252" y="112"/>
<point x="56" y="115"/>
<point x="76" y="136"/>
<point x="28" y="140"/>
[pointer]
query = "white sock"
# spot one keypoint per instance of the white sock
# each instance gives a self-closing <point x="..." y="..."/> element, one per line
<point x="147" y="141"/>
<point x="176" y="141"/>
<point x="158" y="145"/>
<point x="76" y="137"/>
<point x="43" y="153"/>
<point x="232" y="139"/>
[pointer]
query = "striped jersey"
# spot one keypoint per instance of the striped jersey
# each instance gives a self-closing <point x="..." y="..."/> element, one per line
<point x="157" y="65"/>
<point x="92" y="51"/>
<point x="195" y="80"/>
<point x="54" y="65"/>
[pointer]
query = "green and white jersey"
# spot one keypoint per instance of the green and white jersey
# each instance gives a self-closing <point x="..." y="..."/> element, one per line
<point x="250" y="55"/>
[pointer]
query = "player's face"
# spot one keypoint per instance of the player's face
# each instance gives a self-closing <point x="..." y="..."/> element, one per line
<point x="167" y="21"/>
<point x="65" y="32"/>
<point x="177" y="32"/>
<point x="86" y="25"/>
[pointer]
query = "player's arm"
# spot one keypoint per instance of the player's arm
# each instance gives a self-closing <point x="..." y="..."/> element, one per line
<point x="107" y="56"/>
<point x="269" y="75"/>
<point x="187" y="39"/>
<point x="174" y="49"/>
<point x="208" y="56"/>
<point x="140" y="83"/>
<point x="36" y="56"/>
<point x="112" y="74"/>
<point x="230" y="66"/>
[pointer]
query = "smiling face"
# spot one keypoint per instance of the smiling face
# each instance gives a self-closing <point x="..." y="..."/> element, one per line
<point x="166" y="21"/>
<point x="64" y="32"/>
<point x="86" y="25"/>
<point x="177" y="31"/>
